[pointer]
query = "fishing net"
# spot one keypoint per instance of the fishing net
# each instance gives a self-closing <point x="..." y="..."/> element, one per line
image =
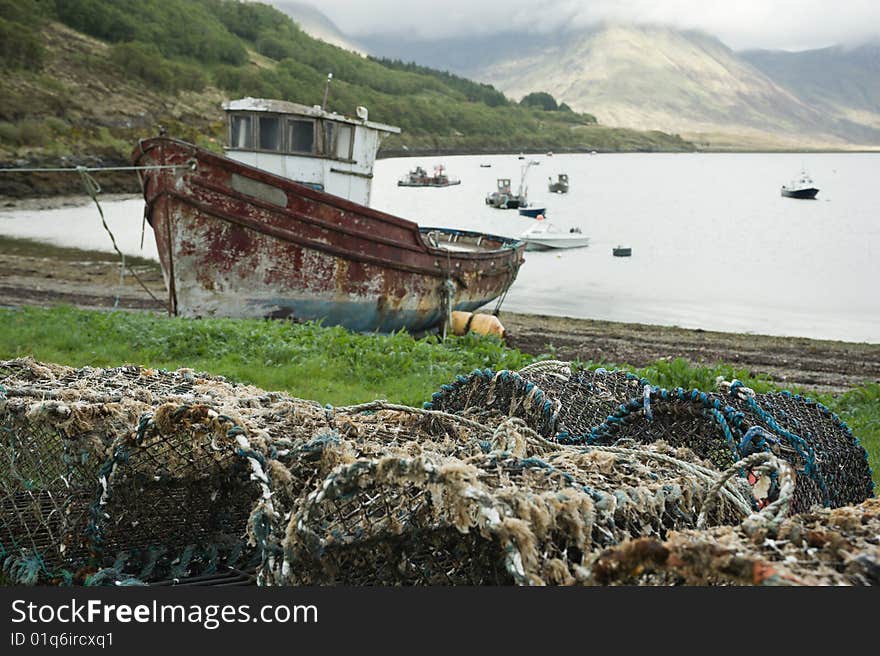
<point x="822" y="547"/>
<point x="133" y="475"/>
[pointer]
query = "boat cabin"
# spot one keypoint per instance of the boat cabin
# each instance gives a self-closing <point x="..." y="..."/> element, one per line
<point x="503" y="185"/>
<point x="321" y="149"/>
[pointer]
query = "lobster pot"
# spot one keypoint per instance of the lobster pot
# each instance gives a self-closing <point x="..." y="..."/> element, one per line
<point x="504" y="393"/>
<point x="496" y="518"/>
<point x="551" y="398"/>
<point x="175" y="498"/>
<point x="51" y="452"/>
<point x="609" y="407"/>
<point x="821" y="547"/>
<point x="831" y="466"/>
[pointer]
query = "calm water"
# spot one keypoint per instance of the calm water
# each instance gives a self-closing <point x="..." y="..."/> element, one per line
<point x="714" y="244"/>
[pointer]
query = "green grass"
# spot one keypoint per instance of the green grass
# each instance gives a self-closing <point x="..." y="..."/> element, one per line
<point x="332" y="365"/>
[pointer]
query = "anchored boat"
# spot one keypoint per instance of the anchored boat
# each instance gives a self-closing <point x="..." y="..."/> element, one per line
<point x="503" y="197"/>
<point x="544" y="236"/>
<point x="560" y="186"/>
<point x="281" y="227"/>
<point x="802" y="187"/>
<point x="420" y="178"/>
<point x="533" y="212"/>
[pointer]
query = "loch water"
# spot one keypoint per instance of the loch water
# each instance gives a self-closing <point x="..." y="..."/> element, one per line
<point x="714" y="244"/>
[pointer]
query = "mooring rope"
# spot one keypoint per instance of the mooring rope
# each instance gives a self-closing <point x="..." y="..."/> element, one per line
<point x="93" y="189"/>
<point x="92" y="169"/>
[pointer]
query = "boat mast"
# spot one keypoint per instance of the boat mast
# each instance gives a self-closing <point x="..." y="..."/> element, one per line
<point x="326" y="92"/>
<point x="522" y="176"/>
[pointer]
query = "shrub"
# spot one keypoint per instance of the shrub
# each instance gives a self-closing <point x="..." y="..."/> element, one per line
<point x="20" y="47"/>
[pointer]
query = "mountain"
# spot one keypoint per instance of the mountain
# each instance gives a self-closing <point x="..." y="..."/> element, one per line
<point x="655" y="77"/>
<point x="317" y="25"/>
<point x="839" y="80"/>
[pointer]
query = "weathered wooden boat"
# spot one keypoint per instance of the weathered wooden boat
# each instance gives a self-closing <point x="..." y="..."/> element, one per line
<point x="802" y="187"/>
<point x="419" y="177"/>
<point x="280" y="227"/>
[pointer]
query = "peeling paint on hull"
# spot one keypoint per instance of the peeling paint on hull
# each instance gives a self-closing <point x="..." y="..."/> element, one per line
<point x="307" y="254"/>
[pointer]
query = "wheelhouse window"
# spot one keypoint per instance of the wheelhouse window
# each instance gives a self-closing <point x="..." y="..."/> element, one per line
<point x="241" y="131"/>
<point x="337" y="140"/>
<point x="270" y="133"/>
<point x="301" y="136"/>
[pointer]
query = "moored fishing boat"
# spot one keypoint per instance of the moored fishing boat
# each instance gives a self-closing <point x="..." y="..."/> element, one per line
<point x="420" y="178"/>
<point x="280" y="227"/>
<point x="503" y="197"/>
<point x="560" y="186"/>
<point x="802" y="187"/>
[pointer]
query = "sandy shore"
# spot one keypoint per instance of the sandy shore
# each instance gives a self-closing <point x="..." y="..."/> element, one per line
<point x="36" y="274"/>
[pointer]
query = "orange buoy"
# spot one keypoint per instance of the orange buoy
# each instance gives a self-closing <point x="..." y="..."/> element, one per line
<point x="480" y="323"/>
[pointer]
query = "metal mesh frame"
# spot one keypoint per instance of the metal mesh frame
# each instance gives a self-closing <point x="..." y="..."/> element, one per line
<point x="176" y="498"/>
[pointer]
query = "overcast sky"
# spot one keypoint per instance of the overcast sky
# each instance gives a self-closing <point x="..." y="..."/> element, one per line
<point x="775" y="24"/>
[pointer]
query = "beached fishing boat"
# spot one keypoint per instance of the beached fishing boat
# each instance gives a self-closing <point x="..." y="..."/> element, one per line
<point x="281" y="227"/>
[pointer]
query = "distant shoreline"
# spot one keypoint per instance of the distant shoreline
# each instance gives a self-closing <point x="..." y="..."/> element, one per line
<point x="25" y="191"/>
<point x="452" y="152"/>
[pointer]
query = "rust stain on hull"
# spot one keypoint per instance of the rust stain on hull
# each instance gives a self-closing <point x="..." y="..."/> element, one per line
<point x="225" y="253"/>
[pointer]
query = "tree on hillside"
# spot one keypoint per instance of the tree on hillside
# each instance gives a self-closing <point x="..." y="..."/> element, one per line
<point x="540" y="100"/>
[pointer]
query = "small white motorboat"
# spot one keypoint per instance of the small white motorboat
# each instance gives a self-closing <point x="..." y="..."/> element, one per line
<point x="801" y="187"/>
<point x="544" y="236"/>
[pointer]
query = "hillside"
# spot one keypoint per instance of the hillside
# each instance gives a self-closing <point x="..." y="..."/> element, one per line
<point x="652" y="77"/>
<point x="841" y="81"/>
<point x="103" y="73"/>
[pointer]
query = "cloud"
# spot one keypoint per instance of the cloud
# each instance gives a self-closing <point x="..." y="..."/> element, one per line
<point x="777" y="24"/>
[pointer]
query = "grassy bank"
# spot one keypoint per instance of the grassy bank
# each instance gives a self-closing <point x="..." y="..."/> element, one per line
<point x="332" y="365"/>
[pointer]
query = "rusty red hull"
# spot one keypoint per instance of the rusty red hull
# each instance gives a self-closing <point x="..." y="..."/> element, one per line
<point x="237" y="241"/>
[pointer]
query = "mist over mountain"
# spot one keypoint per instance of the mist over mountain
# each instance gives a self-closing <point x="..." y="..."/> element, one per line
<point x="842" y="80"/>
<point x="316" y="24"/>
<point x="683" y="81"/>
